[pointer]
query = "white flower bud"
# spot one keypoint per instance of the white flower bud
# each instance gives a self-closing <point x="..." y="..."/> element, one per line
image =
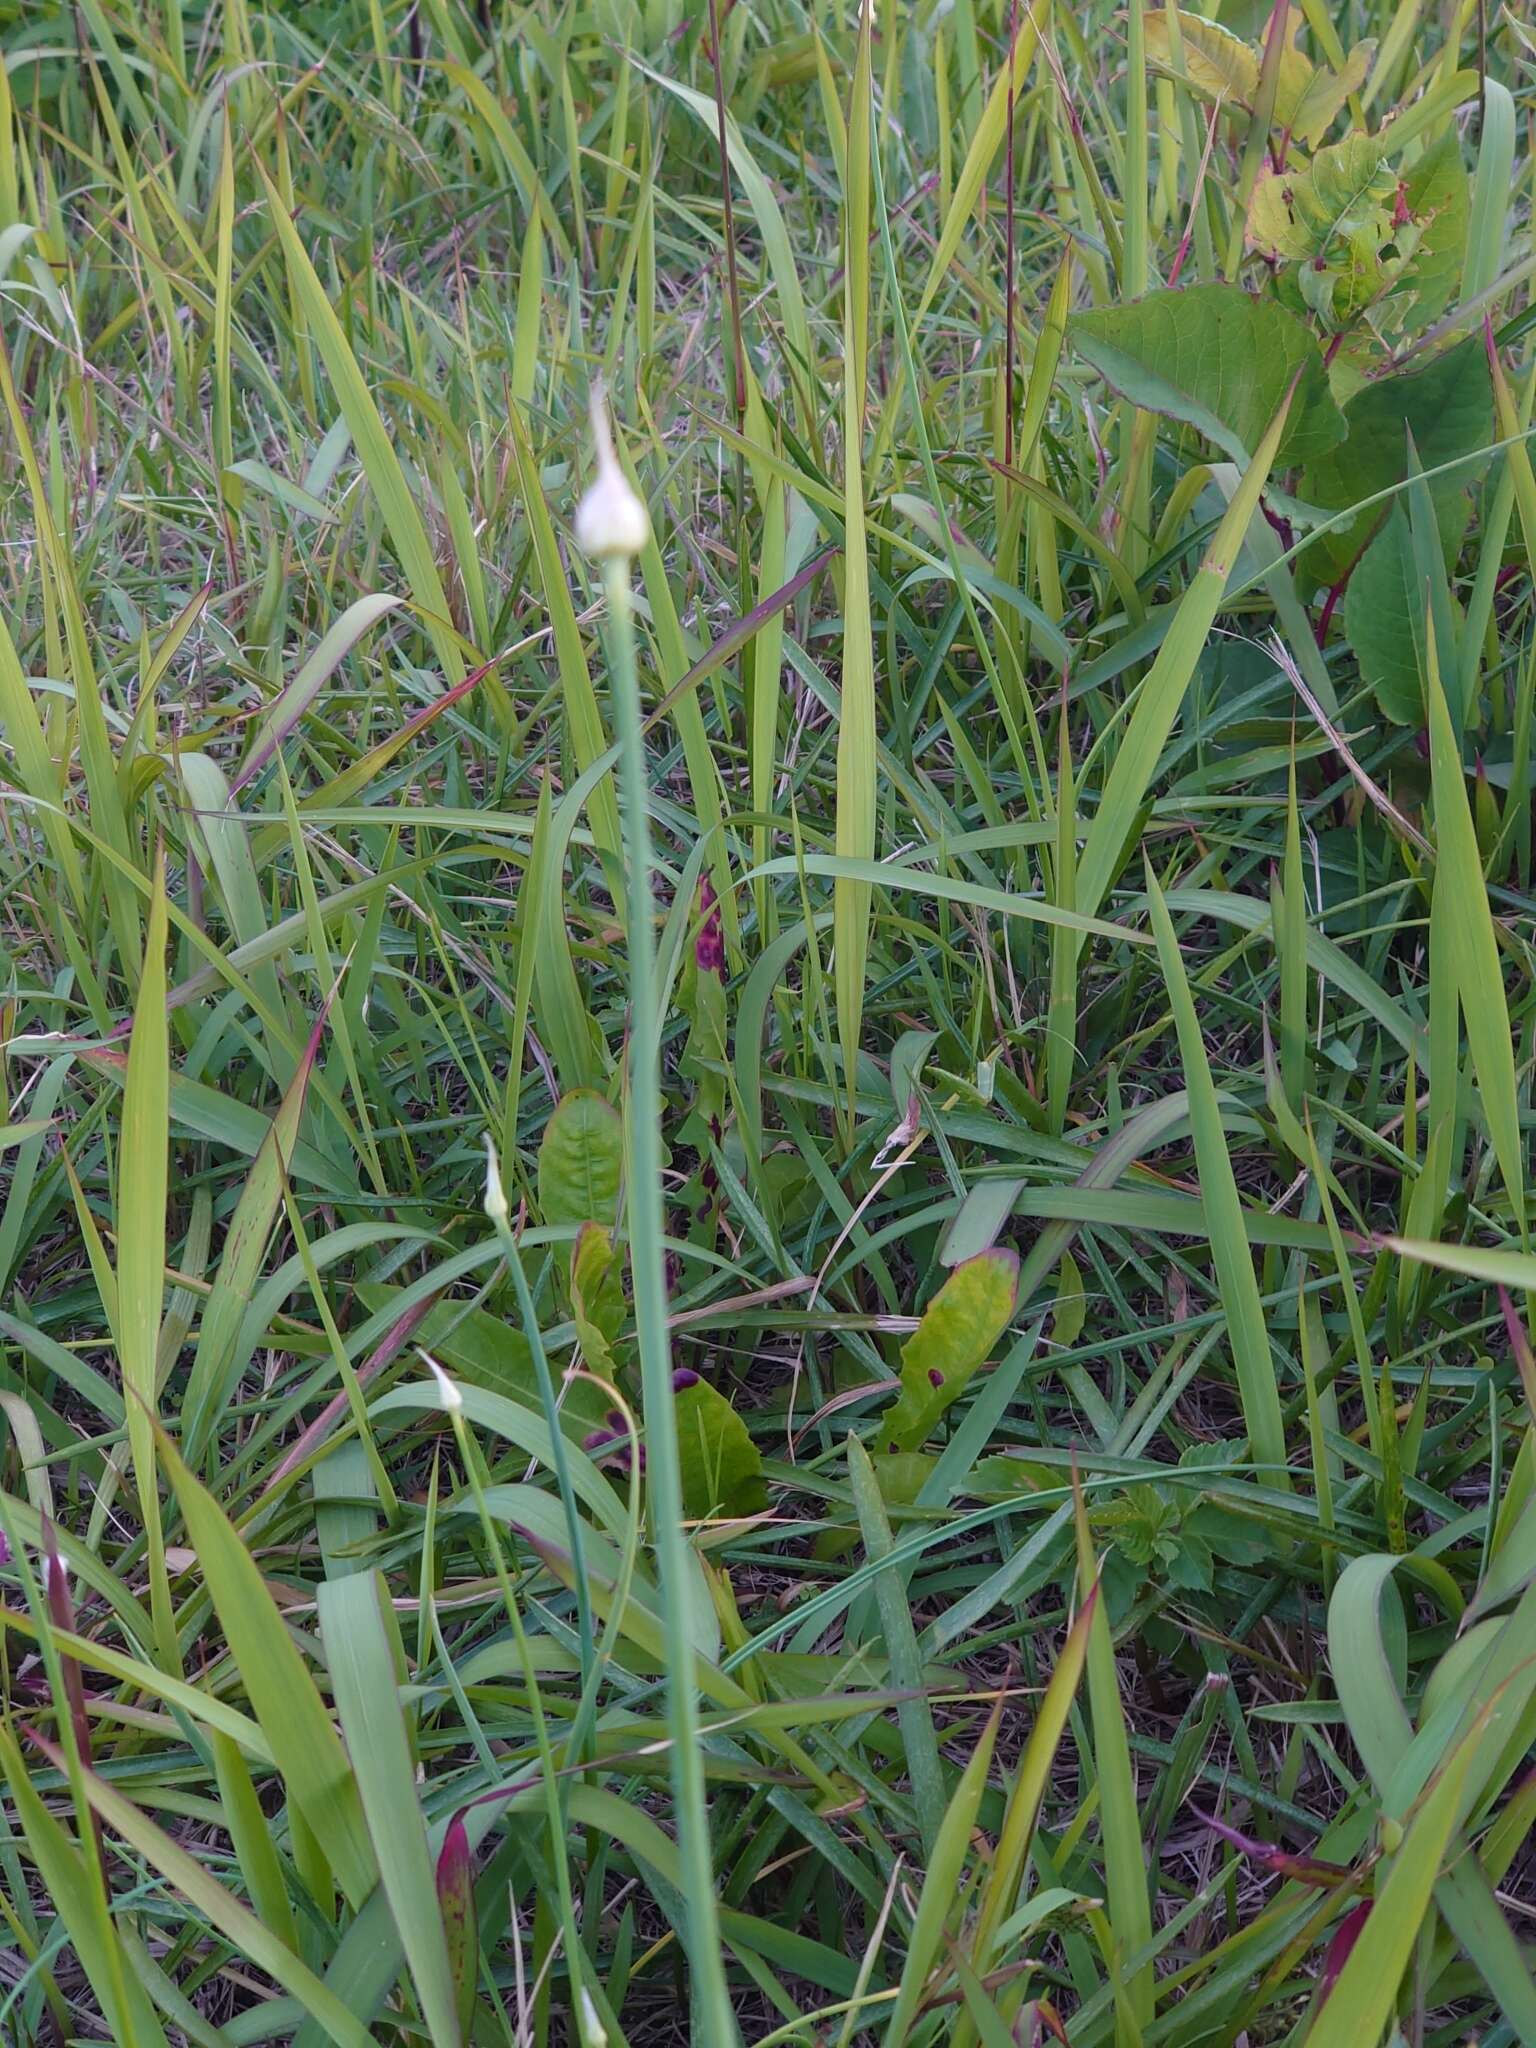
<point x="447" y="1389"/>
<point x="495" y="1194"/>
<point x="611" y="519"/>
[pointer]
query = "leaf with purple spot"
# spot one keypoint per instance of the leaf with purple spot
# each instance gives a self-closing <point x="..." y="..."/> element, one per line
<point x="954" y="1339"/>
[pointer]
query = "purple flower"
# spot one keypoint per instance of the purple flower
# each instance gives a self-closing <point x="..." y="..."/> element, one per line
<point x="709" y="946"/>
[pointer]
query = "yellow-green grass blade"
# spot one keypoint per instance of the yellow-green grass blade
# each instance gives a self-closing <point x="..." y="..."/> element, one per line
<point x="223" y="1910"/>
<point x="1125" y="1866"/>
<point x="61" y="597"/>
<point x="62" y="1868"/>
<point x="370" y="436"/>
<point x="245" y="1244"/>
<point x="1361" y="2002"/>
<point x="852" y="897"/>
<point x="1026" y="1796"/>
<point x="583" y="715"/>
<point x="1158" y="701"/>
<point x="142" y="1186"/>
<point x="38" y="773"/>
<point x="1238" y="1284"/>
<point x="282" y="1694"/>
<point x="942" y="1886"/>
<point x="361" y="1658"/>
<point x="1466" y="929"/>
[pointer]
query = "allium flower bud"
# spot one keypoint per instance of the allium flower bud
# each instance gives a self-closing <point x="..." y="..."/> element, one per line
<point x="610" y="520"/>
<point x="447" y="1389"/>
<point x="495" y="1194"/>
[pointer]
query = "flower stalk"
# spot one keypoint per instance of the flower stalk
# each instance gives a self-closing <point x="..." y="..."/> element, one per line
<point x="612" y="525"/>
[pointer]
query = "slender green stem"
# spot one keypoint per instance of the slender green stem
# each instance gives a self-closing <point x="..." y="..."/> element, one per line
<point x="527" y="1309"/>
<point x="712" y="2003"/>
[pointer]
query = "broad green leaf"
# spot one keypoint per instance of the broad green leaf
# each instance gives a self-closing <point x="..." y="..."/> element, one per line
<point x="1302" y="213"/>
<point x="1384" y="618"/>
<point x="1215" y="62"/>
<point x="1219" y="359"/>
<point x="581" y="1160"/>
<point x="1324" y="94"/>
<point x="1437" y="193"/>
<point x="721" y="1467"/>
<point x="954" y="1339"/>
<point x="597" y="1296"/>
<point x="1446" y="407"/>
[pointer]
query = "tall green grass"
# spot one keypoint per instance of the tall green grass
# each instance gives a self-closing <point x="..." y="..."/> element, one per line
<point x="970" y="1477"/>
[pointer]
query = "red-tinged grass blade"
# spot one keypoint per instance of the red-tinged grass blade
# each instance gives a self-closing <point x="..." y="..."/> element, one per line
<point x="245" y="1245"/>
<point x="1520" y="1345"/>
<point x="1303" y="1869"/>
<point x="742" y="631"/>
<point x="367" y="768"/>
<point x="455" y="1878"/>
<point x="1362" y="1998"/>
<point x="1342" y="1946"/>
<point x="317" y="1433"/>
<point x="61" y="1612"/>
<point x="282" y="1694"/>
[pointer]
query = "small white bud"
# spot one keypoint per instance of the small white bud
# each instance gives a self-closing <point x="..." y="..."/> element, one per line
<point x="611" y="519"/>
<point x="448" y="1392"/>
<point x="495" y="1194"/>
